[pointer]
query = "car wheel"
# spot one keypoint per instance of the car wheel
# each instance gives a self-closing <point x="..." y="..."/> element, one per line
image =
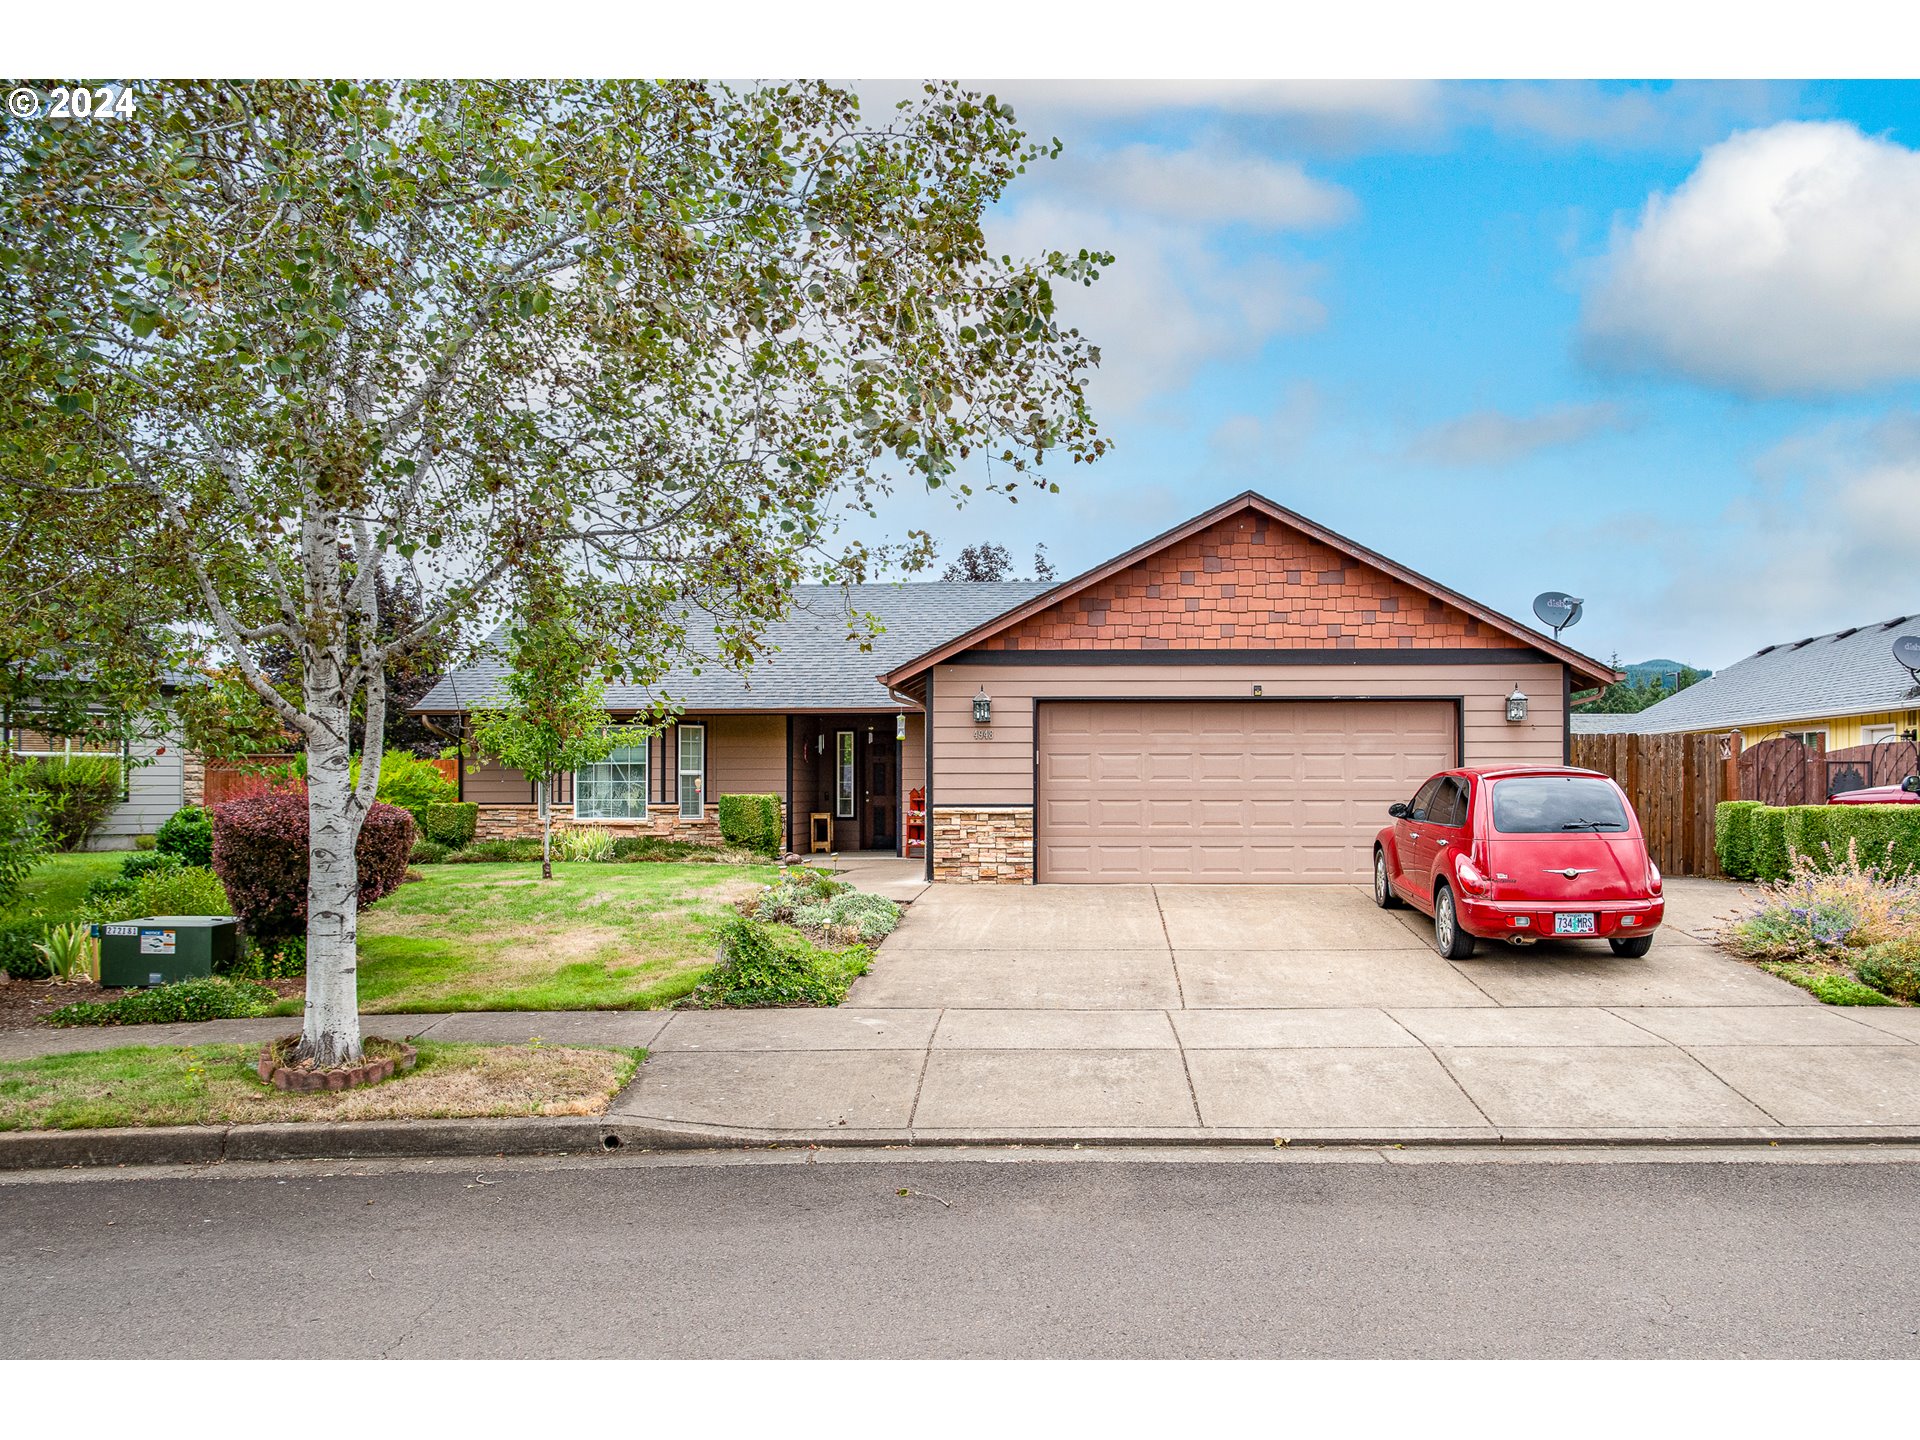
<point x="1448" y="938"/>
<point x="1633" y="949"/>
<point x="1383" y="895"/>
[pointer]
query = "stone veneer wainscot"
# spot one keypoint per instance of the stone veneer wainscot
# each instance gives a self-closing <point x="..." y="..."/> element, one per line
<point x="983" y="844"/>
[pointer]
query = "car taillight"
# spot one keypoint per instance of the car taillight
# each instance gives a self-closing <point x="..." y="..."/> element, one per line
<point x="1469" y="876"/>
<point x="1653" y="877"/>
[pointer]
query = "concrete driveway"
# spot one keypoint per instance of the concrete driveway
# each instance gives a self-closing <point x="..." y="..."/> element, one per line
<point x="1233" y="1012"/>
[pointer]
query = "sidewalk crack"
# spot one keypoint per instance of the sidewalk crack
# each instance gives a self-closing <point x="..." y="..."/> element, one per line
<point x="1179" y="988"/>
<point x="926" y="1059"/>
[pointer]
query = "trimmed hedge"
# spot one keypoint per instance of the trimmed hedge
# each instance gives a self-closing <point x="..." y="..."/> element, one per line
<point x="1756" y="842"/>
<point x="188" y="834"/>
<point x="451" y="824"/>
<point x="752" y="822"/>
<point x="260" y="853"/>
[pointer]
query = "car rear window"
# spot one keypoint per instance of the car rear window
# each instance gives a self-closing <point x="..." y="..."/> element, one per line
<point x="1534" y="804"/>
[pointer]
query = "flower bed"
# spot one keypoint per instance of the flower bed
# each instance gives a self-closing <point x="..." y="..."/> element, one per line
<point x="1846" y="930"/>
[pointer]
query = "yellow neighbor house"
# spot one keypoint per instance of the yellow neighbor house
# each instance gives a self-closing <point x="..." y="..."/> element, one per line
<point x="1833" y="691"/>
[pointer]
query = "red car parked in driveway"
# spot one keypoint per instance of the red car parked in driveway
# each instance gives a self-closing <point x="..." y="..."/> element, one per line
<point x="1907" y="792"/>
<point x="1521" y="853"/>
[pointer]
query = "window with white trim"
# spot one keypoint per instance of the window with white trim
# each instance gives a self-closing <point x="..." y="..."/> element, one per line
<point x="693" y="771"/>
<point x="1874" y="734"/>
<point x="614" y="789"/>
<point x="843" y="775"/>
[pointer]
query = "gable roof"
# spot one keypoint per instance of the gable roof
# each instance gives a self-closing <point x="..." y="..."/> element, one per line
<point x="1584" y="667"/>
<point x="810" y="663"/>
<point x="1848" y="672"/>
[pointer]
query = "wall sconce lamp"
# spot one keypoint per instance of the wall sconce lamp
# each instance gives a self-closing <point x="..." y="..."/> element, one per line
<point x="983" y="708"/>
<point x="1258" y="691"/>
<point x="1517" y="706"/>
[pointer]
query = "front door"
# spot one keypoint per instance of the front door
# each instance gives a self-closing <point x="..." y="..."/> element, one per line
<point x="881" y="793"/>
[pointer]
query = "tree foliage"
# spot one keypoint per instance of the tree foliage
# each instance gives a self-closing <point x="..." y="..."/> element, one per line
<point x="269" y="343"/>
<point x="1627" y="698"/>
<point x="990" y="561"/>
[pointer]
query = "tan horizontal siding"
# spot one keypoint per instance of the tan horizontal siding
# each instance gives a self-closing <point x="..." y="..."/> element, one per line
<point x="969" y="771"/>
<point x="491" y="783"/>
<point x="746" y="754"/>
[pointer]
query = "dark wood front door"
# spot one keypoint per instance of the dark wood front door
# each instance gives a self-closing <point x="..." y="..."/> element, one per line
<point x="880" y="793"/>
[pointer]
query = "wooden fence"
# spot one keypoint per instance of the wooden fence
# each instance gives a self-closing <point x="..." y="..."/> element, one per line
<point x="1786" y="771"/>
<point x="228" y="781"/>
<point x="1674" y="782"/>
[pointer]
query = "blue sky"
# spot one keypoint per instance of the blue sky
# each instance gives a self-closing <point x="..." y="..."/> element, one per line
<point x="1657" y="345"/>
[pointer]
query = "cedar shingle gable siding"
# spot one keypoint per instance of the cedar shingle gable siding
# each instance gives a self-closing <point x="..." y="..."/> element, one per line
<point x="1249" y="583"/>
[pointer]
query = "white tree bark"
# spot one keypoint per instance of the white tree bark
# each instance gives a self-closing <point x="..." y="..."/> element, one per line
<point x="331" y="1034"/>
<point x="546" y="829"/>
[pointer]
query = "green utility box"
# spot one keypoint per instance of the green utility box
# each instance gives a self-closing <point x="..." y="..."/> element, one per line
<point x="160" y="949"/>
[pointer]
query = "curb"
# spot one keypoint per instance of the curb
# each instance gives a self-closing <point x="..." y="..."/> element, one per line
<point x="404" y="1139"/>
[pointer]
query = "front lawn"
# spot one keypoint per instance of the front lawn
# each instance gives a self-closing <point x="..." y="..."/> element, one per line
<point x="596" y="937"/>
<point x="217" y="1085"/>
<point x="55" y="885"/>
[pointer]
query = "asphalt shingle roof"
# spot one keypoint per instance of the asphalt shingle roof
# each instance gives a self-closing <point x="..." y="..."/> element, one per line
<point x="811" y="663"/>
<point x="1850" y="672"/>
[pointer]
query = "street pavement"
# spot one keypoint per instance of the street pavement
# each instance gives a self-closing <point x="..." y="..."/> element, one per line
<point x="1244" y="1253"/>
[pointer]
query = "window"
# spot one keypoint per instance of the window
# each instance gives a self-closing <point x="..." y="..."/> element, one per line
<point x="1812" y="739"/>
<point x="1536" y="804"/>
<point x="843" y="775"/>
<point x="615" y="789"/>
<point x="693" y="771"/>
<point x="1874" y="734"/>
<point x="1450" y="804"/>
<point x="1423" y="802"/>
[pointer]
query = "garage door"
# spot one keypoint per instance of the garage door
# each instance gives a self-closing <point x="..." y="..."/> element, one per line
<point x="1227" y="791"/>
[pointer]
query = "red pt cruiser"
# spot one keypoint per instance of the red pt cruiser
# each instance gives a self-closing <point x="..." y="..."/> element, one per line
<point x="1521" y="854"/>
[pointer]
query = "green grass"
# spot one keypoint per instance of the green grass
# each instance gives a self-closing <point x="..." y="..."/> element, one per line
<point x="58" y="882"/>
<point x="496" y="937"/>
<point x="216" y="1084"/>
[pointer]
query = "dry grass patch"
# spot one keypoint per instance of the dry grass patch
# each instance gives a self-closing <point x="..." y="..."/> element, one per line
<point x="216" y="1085"/>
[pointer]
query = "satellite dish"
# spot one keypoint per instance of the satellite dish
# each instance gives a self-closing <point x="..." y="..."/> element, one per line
<point x="1559" y="610"/>
<point x="1907" y="651"/>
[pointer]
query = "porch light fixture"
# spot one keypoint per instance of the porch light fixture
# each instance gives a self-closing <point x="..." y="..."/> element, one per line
<point x="1259" y="690"/>
<point x="820" y="744"/>
<point x="982" y="708"/>
<point x="900" y="727"/>
<point x="1516" y="706"/>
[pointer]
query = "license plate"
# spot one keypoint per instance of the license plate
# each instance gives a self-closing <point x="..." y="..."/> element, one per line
<point x="1576" y="924"/>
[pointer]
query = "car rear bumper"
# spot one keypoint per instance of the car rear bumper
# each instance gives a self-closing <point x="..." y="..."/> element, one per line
<point x="1501" y="919"/>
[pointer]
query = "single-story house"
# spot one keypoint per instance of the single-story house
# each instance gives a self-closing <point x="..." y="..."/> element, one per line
<point x="158" y="774"/>
<point x="1831" y="691"/>
<point x="1236" y="700"/>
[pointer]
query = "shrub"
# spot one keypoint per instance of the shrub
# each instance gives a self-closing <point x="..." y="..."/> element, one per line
<point x="451" y="824"/>
<point x="657" y="847"/>
<point x="23" y="834"/>
<point x="20" y="953"/>
<point x="1887" y="835"/>
<point x="758" y="967"/>
<point x="76" y="794"/>
<point x="270" y="957"/>
<point x="188" y="833"/>
<point x="490" y="852"/>
<point x="1892" y="967"/>
<point x="146" y="862"/>
<point x="427" y="852"/>
<point x="1733" y="822"/>
<point x="587" y="843"/>
<point x="1770" y="855"/>
<point x="145" y="842"/>
<point x="410" y="783"/>
<point x="212" y="997"/>
<point x="751" y="822"/>
<point x="68" y="951"/>
<point x="260" y="851"/>
<point x="184" y="890"/>
<point x="856" y="916"/>
<point x="1818" y="911"/>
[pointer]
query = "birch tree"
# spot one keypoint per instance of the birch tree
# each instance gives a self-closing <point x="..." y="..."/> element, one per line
<point x="665" y="338"/>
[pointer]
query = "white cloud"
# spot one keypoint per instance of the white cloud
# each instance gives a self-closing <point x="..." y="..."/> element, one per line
<point x="1171" y="303"/>
<point x="1825" y="539"/>
<point x="1786" y="263"/>
<point x="1684" y="115"/>
<point x="1399" y="102"/>
<point x="1260" y="443"/>
<point x="1205" y="185"/>
<point x="1495" y="437"/>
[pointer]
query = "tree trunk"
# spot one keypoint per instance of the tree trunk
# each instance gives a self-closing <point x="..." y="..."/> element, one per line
<point x="331" y="1035"/>
<point x="546" y="834"/>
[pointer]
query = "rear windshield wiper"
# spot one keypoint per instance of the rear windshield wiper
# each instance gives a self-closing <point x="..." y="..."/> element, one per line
<point x="1594" y="825"/>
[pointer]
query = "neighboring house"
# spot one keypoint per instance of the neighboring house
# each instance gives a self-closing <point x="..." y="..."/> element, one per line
<point x="158" y="777"/>
<point x="1236" y="700"/>
<point x="1832" y="691"/>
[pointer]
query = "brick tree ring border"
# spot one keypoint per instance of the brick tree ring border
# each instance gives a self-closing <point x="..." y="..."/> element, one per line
<point x="345" y="1077"/>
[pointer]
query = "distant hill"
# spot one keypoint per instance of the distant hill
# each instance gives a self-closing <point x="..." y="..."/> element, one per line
<point x="1646" y="671"/>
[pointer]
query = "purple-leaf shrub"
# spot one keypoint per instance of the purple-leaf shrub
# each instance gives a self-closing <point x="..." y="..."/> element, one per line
<point x="260" y="855"/>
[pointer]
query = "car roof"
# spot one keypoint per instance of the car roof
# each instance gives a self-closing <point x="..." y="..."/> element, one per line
<point x="1505" y="772"/>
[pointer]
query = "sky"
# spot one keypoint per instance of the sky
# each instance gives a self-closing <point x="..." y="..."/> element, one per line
<point x="1657" y="345"/>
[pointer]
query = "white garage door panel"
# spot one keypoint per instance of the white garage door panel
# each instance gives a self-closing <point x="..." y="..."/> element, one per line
<point x="1256" y="792"/>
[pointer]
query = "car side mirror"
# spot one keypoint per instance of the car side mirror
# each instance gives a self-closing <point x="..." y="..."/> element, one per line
<point x="1911" y="784"/>
<point x="1398" y="810"/>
